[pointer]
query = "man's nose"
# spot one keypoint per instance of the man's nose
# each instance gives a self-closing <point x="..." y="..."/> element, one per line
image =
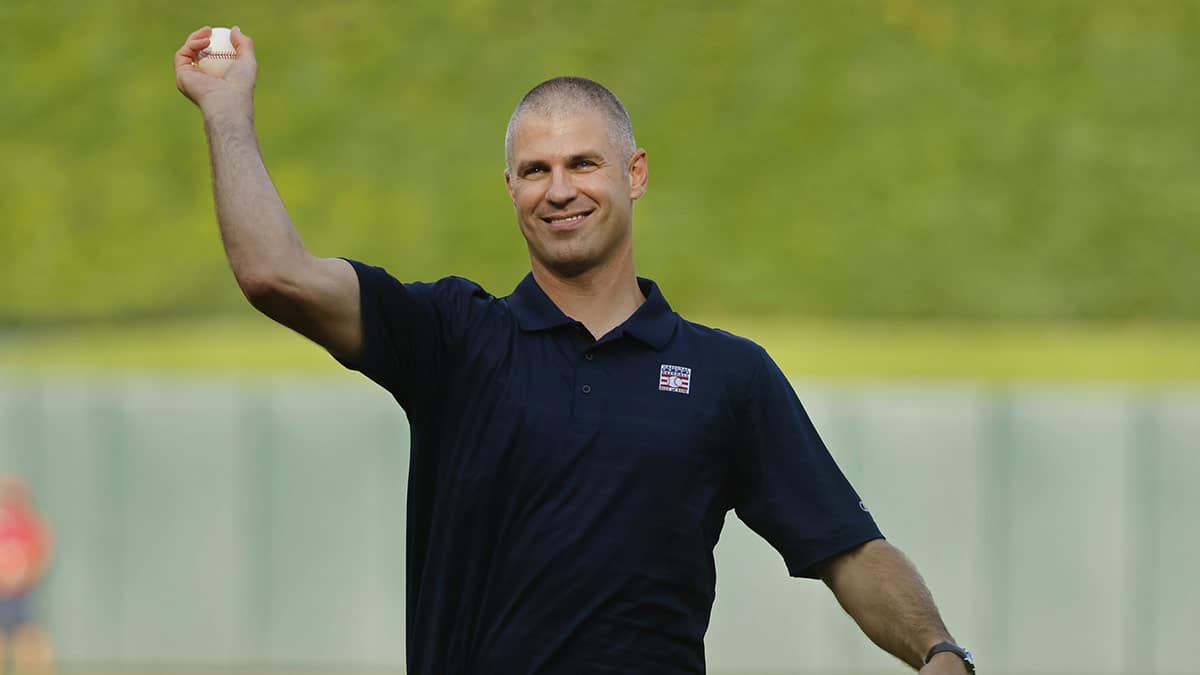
<point x="562" y="190"/>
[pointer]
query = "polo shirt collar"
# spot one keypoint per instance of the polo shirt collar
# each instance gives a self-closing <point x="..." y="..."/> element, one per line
<point x="653" y="322"/>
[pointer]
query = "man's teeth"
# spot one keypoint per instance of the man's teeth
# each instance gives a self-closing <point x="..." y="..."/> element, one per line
<point x="567" y="219"/>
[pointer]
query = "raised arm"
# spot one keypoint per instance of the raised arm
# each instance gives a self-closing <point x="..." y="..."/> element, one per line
<point x="882" y="591"/>
<point x="317" y="297"/>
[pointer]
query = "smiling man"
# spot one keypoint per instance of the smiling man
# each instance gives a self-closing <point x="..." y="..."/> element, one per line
<point x="575" y="445"/>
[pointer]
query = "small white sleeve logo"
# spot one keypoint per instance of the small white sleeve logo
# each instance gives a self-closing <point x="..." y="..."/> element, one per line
<point x="674" y="378"/>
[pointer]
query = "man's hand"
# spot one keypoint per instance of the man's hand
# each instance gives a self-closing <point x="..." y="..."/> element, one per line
<point x="945" y="663"/>
<point x="235" y="90"/>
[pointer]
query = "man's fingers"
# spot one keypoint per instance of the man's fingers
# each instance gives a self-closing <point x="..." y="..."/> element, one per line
<point x="183" y="57"/>
<point x="204" y="32"/>
<point x="195" y="42"/>
<point x="189" y="52"/>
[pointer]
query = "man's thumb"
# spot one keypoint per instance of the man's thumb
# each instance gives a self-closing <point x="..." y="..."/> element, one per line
<point x="241" y="42"/>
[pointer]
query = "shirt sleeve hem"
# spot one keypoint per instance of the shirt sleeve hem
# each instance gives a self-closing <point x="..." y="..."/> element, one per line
<point x="361" y="363"/>
<point x="806" y="568"/>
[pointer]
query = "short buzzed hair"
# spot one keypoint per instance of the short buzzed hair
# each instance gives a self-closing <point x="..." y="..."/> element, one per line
<point x="567" y="95"/>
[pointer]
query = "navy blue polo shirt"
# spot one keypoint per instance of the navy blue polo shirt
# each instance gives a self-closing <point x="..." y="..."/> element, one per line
<point x="566" y="493"/>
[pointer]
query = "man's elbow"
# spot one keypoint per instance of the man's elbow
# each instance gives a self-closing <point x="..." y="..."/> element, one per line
<point x="268" y="293"/>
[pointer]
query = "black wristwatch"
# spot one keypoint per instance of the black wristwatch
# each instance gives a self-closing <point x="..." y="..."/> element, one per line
<point x="960" y="652"/>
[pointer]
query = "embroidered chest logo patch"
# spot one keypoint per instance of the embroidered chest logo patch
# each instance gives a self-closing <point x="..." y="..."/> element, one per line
<point x="674" y="378"/>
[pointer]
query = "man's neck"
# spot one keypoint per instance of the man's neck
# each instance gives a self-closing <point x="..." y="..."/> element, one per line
<point x="601" y="299"/>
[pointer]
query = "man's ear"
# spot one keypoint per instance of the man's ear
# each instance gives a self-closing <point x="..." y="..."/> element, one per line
<point x="639" y="174"/>
<point x="508" y="185"/>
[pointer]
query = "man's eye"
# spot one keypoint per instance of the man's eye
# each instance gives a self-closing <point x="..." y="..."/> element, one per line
<point x="530" y="172"/>
<point x="585" y="163"/>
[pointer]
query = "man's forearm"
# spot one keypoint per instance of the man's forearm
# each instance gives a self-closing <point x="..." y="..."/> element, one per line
<point x="883" y="592"/>
<point x="259" y="239"/>
<point x="316" y="297"/>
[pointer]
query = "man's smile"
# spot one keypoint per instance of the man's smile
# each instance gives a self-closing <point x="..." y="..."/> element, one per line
<point x="566" y="221"/>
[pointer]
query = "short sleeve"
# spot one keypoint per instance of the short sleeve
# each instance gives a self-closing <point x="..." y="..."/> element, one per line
<point x="787" y="487"/>
<point x="410" y="330"/>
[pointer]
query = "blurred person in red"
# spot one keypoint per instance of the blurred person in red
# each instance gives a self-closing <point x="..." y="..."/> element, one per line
<point x="25" y="546"/>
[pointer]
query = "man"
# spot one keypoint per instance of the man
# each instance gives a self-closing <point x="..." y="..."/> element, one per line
<point x="575" y="445"/>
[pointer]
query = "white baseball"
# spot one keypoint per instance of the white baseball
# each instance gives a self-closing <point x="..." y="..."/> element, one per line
<point x="218" y="56"/>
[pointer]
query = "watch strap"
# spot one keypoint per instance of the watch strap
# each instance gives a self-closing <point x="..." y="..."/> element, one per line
<point x="960" y="652"/>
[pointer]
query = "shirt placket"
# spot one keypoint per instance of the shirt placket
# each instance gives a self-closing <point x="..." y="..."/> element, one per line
<point x="587" y="376"/>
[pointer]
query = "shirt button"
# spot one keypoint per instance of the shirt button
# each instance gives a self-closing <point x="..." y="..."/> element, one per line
<point x="587" y="388"/>
<point x="589" y="356"/>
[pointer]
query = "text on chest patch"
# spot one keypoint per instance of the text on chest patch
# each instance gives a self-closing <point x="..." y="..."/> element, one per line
<point x="674" y="378"/>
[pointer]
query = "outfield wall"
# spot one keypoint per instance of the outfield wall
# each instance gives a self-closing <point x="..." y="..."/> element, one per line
<point x="210" y="522"/>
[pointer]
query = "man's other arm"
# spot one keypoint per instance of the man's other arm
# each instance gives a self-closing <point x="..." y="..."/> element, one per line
<point x="883" y="592"/>
<point x="317" y="297"/>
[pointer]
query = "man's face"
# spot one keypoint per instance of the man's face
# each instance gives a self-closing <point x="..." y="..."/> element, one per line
<point x="573" y="192"/>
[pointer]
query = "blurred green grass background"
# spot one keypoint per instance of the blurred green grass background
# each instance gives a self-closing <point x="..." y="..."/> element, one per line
<point x="897" y="187"/>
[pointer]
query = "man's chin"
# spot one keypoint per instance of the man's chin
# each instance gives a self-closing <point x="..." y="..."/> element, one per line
<point x="569" y="268"/>
<point x="575" y="258"/>
<point x="567" y="264"/>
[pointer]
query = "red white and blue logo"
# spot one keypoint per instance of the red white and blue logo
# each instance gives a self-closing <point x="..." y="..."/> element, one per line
<point x="674" y="378"/>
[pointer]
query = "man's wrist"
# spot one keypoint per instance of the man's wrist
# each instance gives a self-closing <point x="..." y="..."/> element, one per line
<point x="949" y="657"/>
<point x="218" y="109"/>
<point x="946" y="650"/>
